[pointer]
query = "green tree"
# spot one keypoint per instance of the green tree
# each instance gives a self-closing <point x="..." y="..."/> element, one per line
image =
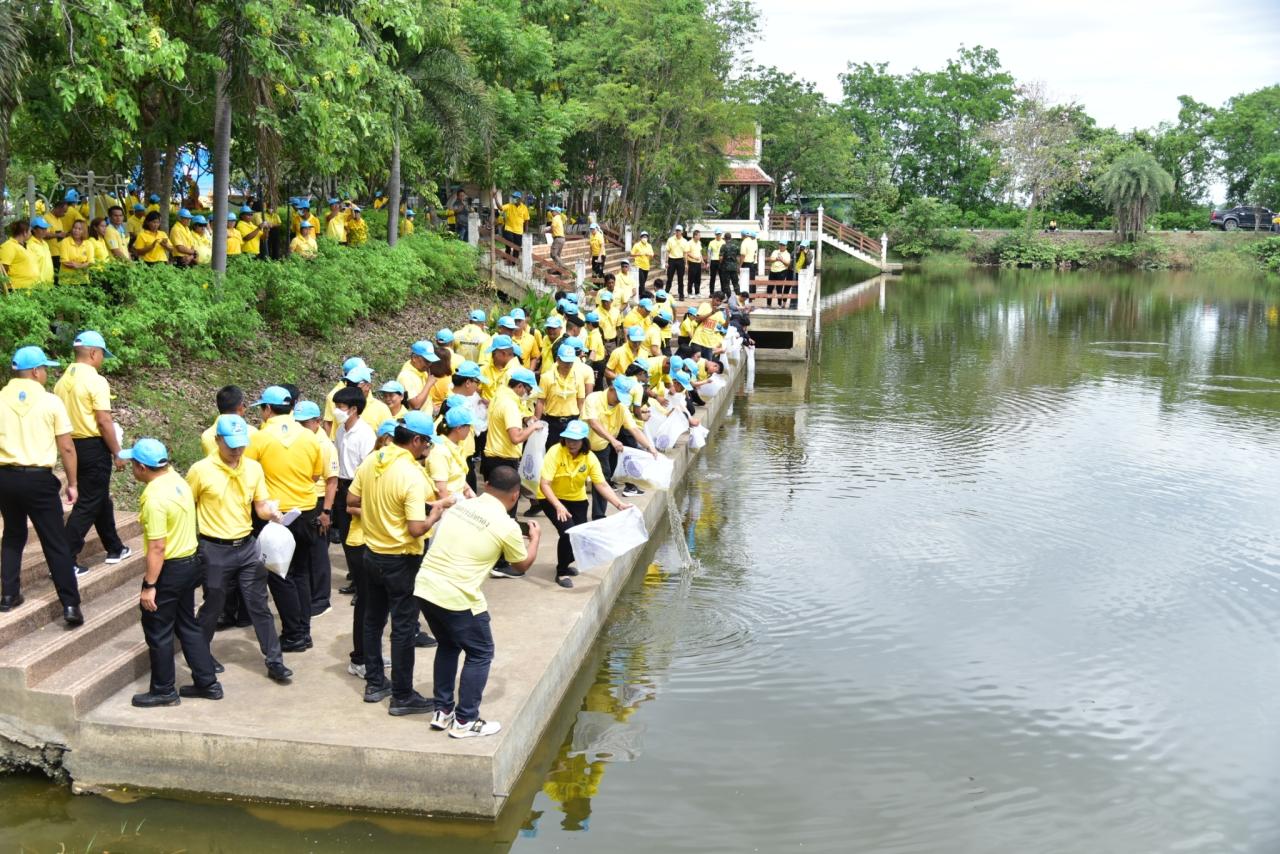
<point x="1185" y="150"/>
<point x="1246" y="132"/>
<point x="1039" y="149"/>
<point x="1133" y="186"/>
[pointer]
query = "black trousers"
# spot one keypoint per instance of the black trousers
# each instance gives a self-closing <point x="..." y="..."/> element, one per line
<point x="292" y="595"/>
<point x="93" y="508"/>
<point x="695" y="277"/>
<point x="642" y="276"/>
<point x="321" y="569"/>
<point x="457" y="632"/>
<point x="564" y="548"/>
<point x="175" y="613"/>
<point x="474" y="461"/>
<point x="675" y="275"/>
<point x="30" y="493"/>
<point x="555" y="426"/>
<point x="713" y="277"/>
<point x="597" y="266"/>
<point x="239" y="567"/>
<point x="771" y="288"/>
<point x="389" y="581"/>
<point x="512" y="237"/>
<point x="608" y="461"/>
<point x="355" y="569"/>
<point x="729" y="279"/>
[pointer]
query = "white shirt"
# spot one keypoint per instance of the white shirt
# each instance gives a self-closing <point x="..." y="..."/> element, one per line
<point x="354" y="445"/>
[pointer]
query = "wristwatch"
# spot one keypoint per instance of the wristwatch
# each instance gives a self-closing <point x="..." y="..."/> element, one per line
<point x="147" y="585"/>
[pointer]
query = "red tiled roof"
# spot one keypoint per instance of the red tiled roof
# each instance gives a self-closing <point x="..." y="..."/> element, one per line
<point x="746" y="175"/>
<point x="742" y="147"/>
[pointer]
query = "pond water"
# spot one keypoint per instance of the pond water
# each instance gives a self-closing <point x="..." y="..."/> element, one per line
<point x="997" y="571"/>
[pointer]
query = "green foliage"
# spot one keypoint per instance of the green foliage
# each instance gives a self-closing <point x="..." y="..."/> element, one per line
<point x="1133" y="186"/>
<point x="926" y="225"/>
<point x="1247" y="131"/>
<point x="1268" y="253"/>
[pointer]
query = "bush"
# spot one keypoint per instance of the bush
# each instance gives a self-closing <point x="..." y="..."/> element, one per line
<point x="1267" y="252"/>
<point x="924" y="226"/>
<point x="154" y="314"/>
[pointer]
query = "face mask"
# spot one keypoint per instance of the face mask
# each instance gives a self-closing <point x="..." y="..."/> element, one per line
<point x="341" y="414"/>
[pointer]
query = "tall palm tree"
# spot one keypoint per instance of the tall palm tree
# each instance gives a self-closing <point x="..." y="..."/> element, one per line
<point x="1133" y="185"/>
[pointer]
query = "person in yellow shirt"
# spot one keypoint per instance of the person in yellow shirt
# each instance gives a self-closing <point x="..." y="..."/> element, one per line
<point x="779" y="270"/>
<point x="415" y="373"/>
<point x="98" y="230"/>
<point x="446" y="350"/>
<point x="562" y="490"/>
<point x="304" y="244"/>
<point x="677" y="246"/>
<point x="406" y="224"/>
<point x="502" y="361"/>
<point x="37" y="434"/>
<point x="132" y="198"/>
<point x="134" y="223"/>
<point x="173" y="572"/>
<point x="470" y="340"/>
<point x="336" y="222"/>
<point x="291" y="462"/>
<point x="39" y="247"/>
<point x="152" y="245"/>
<point x="375" y="411"/>
<point x="526" y="340"/>
<point x="642" y="252"/>
<point x="251" y="233"/>
<point x="693" y="262"/>
<point x="303" y="214"/>
<point x="610" y="317"/>
<point x="228" y="491"/>
<point x="118" y="237"/>
<point x="688" y="326"/>
<point x="608" y="413"/>
<point x="390" y="498"/>
<point x="596" y="244"/>
<point x="641" y="315"/>
<point x="622" y="357"/>
<point x="514" y="216"/>
<point x="447" y="464"/>
<point x="229" y="401"/>
<point x="507" y="429"/>
<point x="470" y="539"/>
<point x="202" y="239"/>
<point x="556" y="228"/>
<point x="153" y="203"/>
<point x="596" y="352"/>
<point x="749" y="253"/>
<point x="20" y="266"/>
<point x="713" y="259"/>
<point x="235" y="244"/>
<point x="379" y="201"/>
<point x="60" y="219"/>
<point x="182" y="240"/>
<point x="357" y="228"/>
<point x="658" y="336"/>
<point x="561" y="392"/>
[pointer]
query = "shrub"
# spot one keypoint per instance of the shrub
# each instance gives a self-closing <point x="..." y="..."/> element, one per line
<point x="1267" y="252"/>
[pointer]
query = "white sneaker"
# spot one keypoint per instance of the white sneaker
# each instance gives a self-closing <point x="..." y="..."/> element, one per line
<point x="441" y="720"/>
<point x="355" y="669"/>
<point x="474" y="729"/>
<point x="504" y="572"/>
<point x="116" y="557"/>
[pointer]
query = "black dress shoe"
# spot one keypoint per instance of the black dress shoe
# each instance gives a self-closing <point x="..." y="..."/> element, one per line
<point x="424" y="640"/>
<point x="71" y="614"/>
<point x="212" y="692"/>
<point x="149" y="700"/>
<point x="308" y="642"/>
<point x="8" y="602"/>
<point x="279" y="673"/>
<point x="564" y="581"/>
<point x="224" y="622"/>
<point x="294" y="646"/>
<point x="217" y="667"/>
<point x="347" y="589"/>
<point x="415" y="705"/>
<point x="377" y="693"/>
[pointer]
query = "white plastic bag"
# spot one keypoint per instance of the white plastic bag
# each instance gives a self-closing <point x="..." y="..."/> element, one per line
<point x="698" y="437"/>
<point x="712" y="387"/>
<point x="535" y="450"/>
<point x="673" y="427"/>
<point x="596" y="543"/>
<point x="277" y="548"/>
<point x="479" y="413"/>
<point x="642" y="468"/>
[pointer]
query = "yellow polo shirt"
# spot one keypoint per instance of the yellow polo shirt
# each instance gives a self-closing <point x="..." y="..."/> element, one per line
<point x="30" y="420"/>
<point x="328" y="409"/>
<point x="337" y="228"/>
<point x="641" y="255"/>
<point x="180" y="235"/>
<point x="560" y="393"/>
<point x="77" y="254"/>
<point x="569" y="474"/>
<point x="530" y="349"/>
<point x="225" y="496"/>
<point x="623" y="288"/>
<point x="595" y="345"/>
<point x="304" y="246"/>
<point x="514" y="217"/>
<point x="168" y="512"/>
<point x="612" y="418"/>
<point x="21" y="264"/>
<point x="440" y="389"/>
<point x="209" y="438"/>
<point x="247" y="246"/>
<point x="133" y="225"/>
<point x="622" y="357"/>
<point x="608" y="322"/>
<point x="413" y="380"/>
<point x="498" y="379"/>
<point x="470" y="341"/>
<point x="504" y="413"/>
<point x="635" y="318"/>
<point x="713" y="250"/>
<point x="447" y="462"/>
<point x="235" y="246"/>
<point x="375" y="412"/>
<point x="676" y="247"/>
<point x="597" y="244"/>
<point x="291" y="460"/>
<point x="406" y="227"/>
<point x="392" y="493"/>
<point x="116" y="240"/>
<point x="39" y="251"/>
<point x="557" y="225"/>
<point x="148" y="246"/>
<point x="328" y="460"/>
<point x="469" y="539"/>
<point x="83" y="391"/>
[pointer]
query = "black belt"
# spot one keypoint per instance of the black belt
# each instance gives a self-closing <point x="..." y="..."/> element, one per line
<point x="89" y="439"/>
<point x="221" y="542"/>
<point x="191" y="558"/>
<point x="27" y="468"/>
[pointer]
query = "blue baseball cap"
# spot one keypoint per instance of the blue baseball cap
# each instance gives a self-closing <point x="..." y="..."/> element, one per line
<point x="360" y="374"/>
<point x="623" y="385"/>
<point x="306" y="223"/>
<point x="303" y="204"/>
<point x="454" y="400"/>
<point x="500" y="342"/>
<point x="665" y="314"/>
<point x="246" y="209"/>
<point x="575" y="429"/>
<point x="199" y="219"/>
<point x="677" y="364"/>
<point x="71" y="195"/>
<point x="387" y="428"/>
<point x="517" y="195"/>
<point x="553" y="321"/>
<point x="661" y="295"/>
<point x="391" y="387"/>
<point x="409" y="213"/>
<point x="274" y="395"/>
<point x="28" y="358"/>
<point x="635" y="333"/>
<point x="39" y="222"/>
<point x="517" y="313"/>
<point x="420" y="423"/>
<point x="566" y="307"/>
<point x="470" y="370"/>
<point x="89" y="338"/>
<point x="642" y="363"/>
<point x="233" y="430"/>
<point x="572" y="296"/>
<point x="231" y="216"/>
<point x="458" y="417"/>
<point x="351" y="364"/>
<point x="719" y="231"/>
<point x="691" y="311"/>
<point x="425" y="349"/>
<point x="306" y="410"/>
<point x="444" y="336"/>
<point x="149" y="452"/>
<point x="334" y="200"/>
<point x="683" y="378"/>
<point x="605" y="296"/>
<point x="139" y="206"/>
<point x="154" y="197"/>
<point x="183" y="213"/>
<point x="478" y="316"/>
<point x="567" y="353"/>
<point x="646" y="304"/>
<point x="593" y="317"/>
<point x="524" y="375"/>
<point x="576" y="343"/>
<point x="506" y="322"/>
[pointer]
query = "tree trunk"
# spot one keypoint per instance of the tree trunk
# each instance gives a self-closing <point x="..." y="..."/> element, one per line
<point x="151" y="171"/>
<point x="393" y="191"/>
<point x="166" y="179"/>
<point x="221" y="169"/>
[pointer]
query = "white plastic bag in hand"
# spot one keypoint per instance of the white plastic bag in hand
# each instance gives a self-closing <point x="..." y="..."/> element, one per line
<point x="642" y="468"/>
<point x="535" y="449"/>
<point x="277" y="548"/>
<point x="596" y="543"/>
<point x="713" y="386"/>
<point x="654" y="424"/>
<point x="698" y="437"/>
<point x="673" y="427"/>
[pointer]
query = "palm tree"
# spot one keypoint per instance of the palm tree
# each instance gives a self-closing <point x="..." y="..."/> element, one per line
<point x="13" y="72"/>
<point x="1132" y="186"/>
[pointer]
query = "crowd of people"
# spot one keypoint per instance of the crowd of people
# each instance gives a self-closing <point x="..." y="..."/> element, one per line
<point x="414" y="477"/>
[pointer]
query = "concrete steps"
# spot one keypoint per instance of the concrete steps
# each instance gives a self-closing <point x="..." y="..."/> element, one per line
<point x="99" y="673"/>
<point x="34" y="567"/>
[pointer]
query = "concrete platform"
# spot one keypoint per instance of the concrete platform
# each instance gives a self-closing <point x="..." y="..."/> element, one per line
<point x="316" y="741"/>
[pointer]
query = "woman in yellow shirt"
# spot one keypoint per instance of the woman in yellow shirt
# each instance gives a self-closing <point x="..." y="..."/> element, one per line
<point x="201" y="239"/>
<point x="77" y="255"/>
<point x="357" y="228"/>
<point x="152" y="245"/>
<point x="98" y="237"/>
<point x="642" y="252"/>
<point x="305" y="243"/>
<point x="406" y="224"/>
<point x="235" y="243"/>
<point x="15" y="260"/>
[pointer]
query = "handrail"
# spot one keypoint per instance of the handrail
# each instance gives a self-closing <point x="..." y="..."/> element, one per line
<point x="853" y="237"/>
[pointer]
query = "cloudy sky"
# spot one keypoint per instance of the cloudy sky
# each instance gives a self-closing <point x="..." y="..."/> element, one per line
<point x="1125" y="61"/>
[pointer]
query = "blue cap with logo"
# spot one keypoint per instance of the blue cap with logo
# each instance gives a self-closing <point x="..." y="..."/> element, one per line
<point x="444" y="336"/>
<point x="661" y="295"/>
<point x="353" y="362"/>
<point x="641" y="364"/>
<point x="387" y="428"/>
<point x="478" y="316"/>
<point x="89" y="338"/>
<point x="245" y="209"/>
<point x="553" y="322"/>
<point x="391" y="387"/>
<point x="506" y="322"/>
<point x="576" y="343"/>
<point x="500" y="342"/>
<point x="233" y="430"/>
<point x="684" y="379"/>
<point x="149" y="452"/>
<point x="458" y="417"/>
<point x="635" y="333"/>
<point x="199" y="219"/>
<point x="306" y="223"/>
<point x="470" y="370"/>
<point x="677" y="364"/>
<point x="274" y="395"/>
<point x="567" y="353"/>
<point x="183" y="213"/>
<point x="420" y="423"/>
<point x="71" y="195"/>
<point x="30" y="358"/>
<point x="622" y="386"/>
<point x="517" y="313"/>
<point x="305" y="410"/>
<point x="593" y="317"/>
<point x="575" y="429"/>
<point x="425" y="349"/>
<point x="39" y="222"/>
<point x="231" y="217"/>
<point x="524" y="375"/>
<point x="605" y="296"/>
<point x="646" y="304"/>
<point x="359" y="374"/>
